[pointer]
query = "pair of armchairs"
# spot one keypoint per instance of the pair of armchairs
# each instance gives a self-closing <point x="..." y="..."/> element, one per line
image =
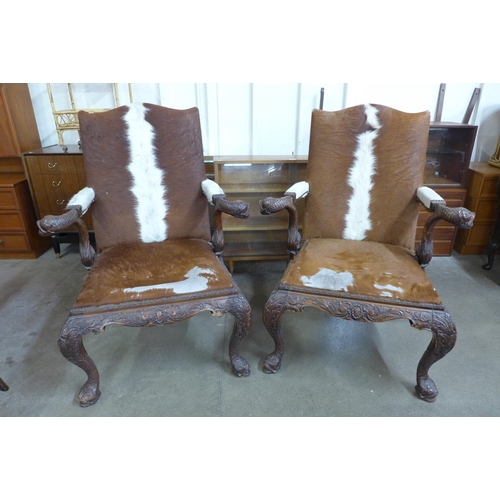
<point x="158" y="262"/>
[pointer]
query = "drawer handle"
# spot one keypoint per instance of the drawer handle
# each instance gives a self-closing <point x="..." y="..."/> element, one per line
<point x="52" y="166"/>
<point x="60" y="202"/>
<point x="55" y="185"/>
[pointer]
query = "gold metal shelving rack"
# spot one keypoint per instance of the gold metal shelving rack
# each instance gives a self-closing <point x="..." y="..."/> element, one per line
<point x="67" y="119"/>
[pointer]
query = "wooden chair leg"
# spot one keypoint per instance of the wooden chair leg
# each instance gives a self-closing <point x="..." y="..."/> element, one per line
<point x="71" y="346"/>
<point x="242" y="313"/>
<point x="444" y="337"/>
<point x="271" y="315"/>
<point x="3" y="386"/>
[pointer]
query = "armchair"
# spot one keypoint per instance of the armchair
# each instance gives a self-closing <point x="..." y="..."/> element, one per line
<point x="156" y="262"/>
<point x="356" y="259"/>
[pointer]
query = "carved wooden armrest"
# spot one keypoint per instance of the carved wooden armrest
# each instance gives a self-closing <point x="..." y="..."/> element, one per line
<point x="237" y="208"/>
<point x="460" y="217"/>
<point x="77" y="206"/>
<point x="271" y="205"/>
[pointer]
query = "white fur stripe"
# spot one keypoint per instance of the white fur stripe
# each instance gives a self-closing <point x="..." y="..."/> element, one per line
<point x="360" y="179"/>
<point x="147" y="187"/>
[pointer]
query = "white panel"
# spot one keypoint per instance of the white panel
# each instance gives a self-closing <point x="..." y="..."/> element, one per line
<point x="234" y="119"/>
<point x="488" y="118"/>
<point x="43" y="114"/>
<point x="408" y="97"/>
<point x="177" y="95"/>
<point x="275" y="115"/>
<point x="310" y="97"/>
<point x="141" y="92"/>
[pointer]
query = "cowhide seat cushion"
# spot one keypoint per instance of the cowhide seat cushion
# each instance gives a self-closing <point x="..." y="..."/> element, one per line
<point x="153" y="273"/>
<point x="365" y="269"/>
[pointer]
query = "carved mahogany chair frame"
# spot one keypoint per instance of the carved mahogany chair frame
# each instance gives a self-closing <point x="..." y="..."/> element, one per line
<point x="161" y="311"/>
<point x="342" y="304"/>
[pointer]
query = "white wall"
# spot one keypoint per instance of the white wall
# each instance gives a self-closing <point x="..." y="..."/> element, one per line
<point x="274" y="118"/>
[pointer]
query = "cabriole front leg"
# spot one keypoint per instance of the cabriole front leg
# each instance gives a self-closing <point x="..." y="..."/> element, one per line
<point x="71" y="346"/>
<point x="444" y="336"/>
<point x="271" y="315"/>
<point x="240" y="309"/>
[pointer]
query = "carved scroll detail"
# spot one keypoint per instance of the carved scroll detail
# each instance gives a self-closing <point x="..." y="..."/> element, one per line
<point x="71" y="345"/>
<point x="458" y="216"/>
<point x="273" y="205"/>
<point x="53" y="224"/>
<point x="437" y="321"/>
<point x="236" y="208"/>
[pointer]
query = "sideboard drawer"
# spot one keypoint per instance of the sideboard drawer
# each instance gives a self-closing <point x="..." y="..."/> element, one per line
<point x="11" y="221"/>
<point x="8" y="200"/>
<point x="14" y="242"/>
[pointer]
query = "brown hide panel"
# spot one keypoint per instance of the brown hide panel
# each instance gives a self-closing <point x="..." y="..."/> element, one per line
<point x="106" y="154"/>
<point x="399" y="149"/>
<point x="178" y="153"/>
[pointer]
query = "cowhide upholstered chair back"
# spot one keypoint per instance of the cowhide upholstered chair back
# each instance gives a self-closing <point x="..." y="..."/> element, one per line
<point x="145" y="165"/>
<point x="365" y="165"/>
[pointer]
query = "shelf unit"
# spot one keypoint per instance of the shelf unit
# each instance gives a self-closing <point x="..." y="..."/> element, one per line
<point x="252" y="178"/>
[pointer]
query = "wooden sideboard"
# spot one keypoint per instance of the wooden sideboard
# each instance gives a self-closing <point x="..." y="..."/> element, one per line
<point x="54" y="176"/>
<point x="482" y="199"/>
<point x="19" y="238"/>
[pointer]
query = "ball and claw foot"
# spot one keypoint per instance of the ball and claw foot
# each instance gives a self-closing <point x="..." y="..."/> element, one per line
<point x="427" y="390"/>
<point x="89" y="394"/>
<point x="272" y="363"/>
<point x="240" y="367"/>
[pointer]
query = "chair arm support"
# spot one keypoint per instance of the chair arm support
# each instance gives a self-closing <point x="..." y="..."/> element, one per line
<point x="271" y="205"/>
<point x="53" y="224"/>
<point x="460" y="217"/>
<point x="237" y="208"/>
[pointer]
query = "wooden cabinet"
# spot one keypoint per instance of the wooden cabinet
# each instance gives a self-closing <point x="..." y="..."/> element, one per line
<point x="19" y="238"/>
<point x="18" y="129"/>
<point x="449" y="152"/>
<point x="54" y="177"/>
<point x="482" y="199"/>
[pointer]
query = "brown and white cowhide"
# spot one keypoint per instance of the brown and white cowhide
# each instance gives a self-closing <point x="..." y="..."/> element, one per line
<point x="145" y="164"/>
<point x="365" y="166"/>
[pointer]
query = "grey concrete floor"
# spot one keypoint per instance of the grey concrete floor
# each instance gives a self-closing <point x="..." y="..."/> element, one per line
<point x="331" y="367"/>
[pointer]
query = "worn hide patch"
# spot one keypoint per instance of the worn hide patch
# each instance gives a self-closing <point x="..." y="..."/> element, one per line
<point x="329" y="280"/>
<point x="195" y="281"/>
